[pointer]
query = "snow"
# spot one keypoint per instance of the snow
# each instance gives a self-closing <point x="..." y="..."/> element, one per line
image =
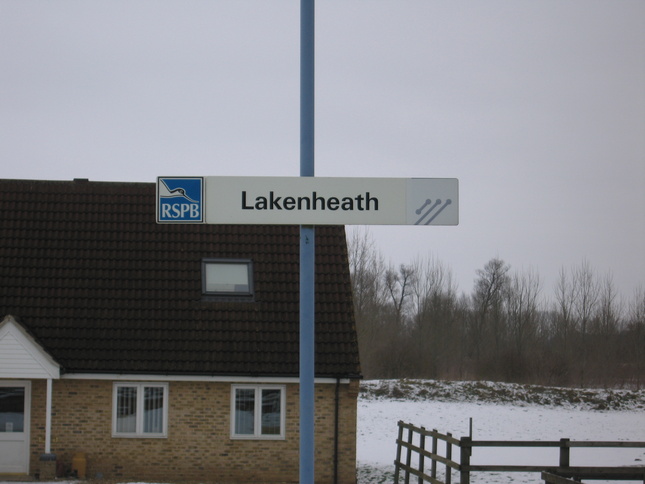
<point x="515" y="419"/>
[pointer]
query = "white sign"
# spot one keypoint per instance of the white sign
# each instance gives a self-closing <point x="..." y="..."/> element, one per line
<point x="331" y="201"/>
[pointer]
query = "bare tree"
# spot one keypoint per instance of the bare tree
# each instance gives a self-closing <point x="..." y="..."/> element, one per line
<point x="609" y="308"/>
<point x="487" y="323"/>
<point x="562" y="330"/>
<point x="564" y="322"/>
<point x="606" y="326"/>
<point x="635" y="333"/>
<point x="399" y="287"/>
<point x="435" y="340"/>
<point x="370" y="298"/>
<point x="366" y="268"/>
<point x="522" y="308"/>
<point x="587" y="292"/>
<point x="411" y="323"/>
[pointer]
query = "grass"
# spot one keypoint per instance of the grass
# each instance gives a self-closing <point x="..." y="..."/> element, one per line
<point x="506" y="393"/>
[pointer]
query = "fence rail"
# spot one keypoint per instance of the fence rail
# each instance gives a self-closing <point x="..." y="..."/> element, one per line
<point x="560" y="474"/>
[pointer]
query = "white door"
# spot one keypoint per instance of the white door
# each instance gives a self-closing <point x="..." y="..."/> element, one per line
<point x="15" y="403"/>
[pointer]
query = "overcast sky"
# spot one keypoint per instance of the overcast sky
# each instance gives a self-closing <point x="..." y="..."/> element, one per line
<point x="536" y="106"/>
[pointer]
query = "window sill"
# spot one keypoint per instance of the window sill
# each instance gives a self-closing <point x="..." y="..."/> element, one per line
<point x="139" y="436"/>
<point x="258" y="437"/>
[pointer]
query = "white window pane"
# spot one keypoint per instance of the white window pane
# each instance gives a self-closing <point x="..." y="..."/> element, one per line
<point x="227" y="277"/>
<point x="153" y="410"/>
<point x="244" y="411"/>
<point x="126" y="413"/>
<point x="271" y="408"/>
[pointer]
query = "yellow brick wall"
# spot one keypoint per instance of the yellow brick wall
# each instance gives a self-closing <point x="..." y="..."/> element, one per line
<point x="198" y="447"/>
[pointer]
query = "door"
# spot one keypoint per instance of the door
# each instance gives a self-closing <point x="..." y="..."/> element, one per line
<point x="15" y="402"/>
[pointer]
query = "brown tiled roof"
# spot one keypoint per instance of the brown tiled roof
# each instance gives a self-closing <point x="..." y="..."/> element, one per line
<point x="104" y="288"/>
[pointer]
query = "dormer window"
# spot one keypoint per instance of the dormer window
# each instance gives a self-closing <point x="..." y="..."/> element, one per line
<point x="227" y="278"/>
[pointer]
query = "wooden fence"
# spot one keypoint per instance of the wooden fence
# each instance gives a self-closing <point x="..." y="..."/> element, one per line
<point x="422" y="447"/>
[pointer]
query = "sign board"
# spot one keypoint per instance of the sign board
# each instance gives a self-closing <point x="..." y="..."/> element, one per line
<point x="308" y="201"/>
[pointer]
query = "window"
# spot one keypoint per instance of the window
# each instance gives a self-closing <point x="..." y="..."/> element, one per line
<point x="140" y="410"/>
<point x="257" y="412"/>
<point x="227" y="277"/>
<point x="12" y="409"/>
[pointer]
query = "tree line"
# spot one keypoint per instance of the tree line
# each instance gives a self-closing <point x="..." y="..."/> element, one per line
<point x="413" y="323"/>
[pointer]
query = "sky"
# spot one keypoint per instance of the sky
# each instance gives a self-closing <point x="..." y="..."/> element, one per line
<point x="536" y="106"/>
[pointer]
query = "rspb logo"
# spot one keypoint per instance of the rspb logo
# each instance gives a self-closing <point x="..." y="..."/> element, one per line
<point x="180" y="199"/>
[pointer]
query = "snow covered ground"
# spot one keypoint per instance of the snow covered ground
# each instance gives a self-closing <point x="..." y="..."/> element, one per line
<point x="498" y="412"/>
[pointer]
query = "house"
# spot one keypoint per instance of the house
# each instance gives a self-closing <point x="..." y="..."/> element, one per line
<point x="134" y="350"/>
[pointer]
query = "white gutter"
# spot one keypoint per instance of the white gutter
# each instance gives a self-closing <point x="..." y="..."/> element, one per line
<point x="196" y="378"/>
<point x="48" y="418"/>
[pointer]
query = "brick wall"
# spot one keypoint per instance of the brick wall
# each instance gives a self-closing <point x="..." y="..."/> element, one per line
<point x="198" y="447"/>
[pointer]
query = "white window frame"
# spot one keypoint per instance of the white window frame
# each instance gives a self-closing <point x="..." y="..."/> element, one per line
<point x="257" y="435"/>
<point x="232" y="293"/>
<point x="139" y="433"/>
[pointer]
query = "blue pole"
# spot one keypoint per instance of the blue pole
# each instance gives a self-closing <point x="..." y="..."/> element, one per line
<point x="307" y="350"/>
<point x="307" y="54"/>
<point x="307" y="247"/>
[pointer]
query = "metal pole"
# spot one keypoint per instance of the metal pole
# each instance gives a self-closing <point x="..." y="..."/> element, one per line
<point x="307" y="55"/>
<point x="307" y="247"/>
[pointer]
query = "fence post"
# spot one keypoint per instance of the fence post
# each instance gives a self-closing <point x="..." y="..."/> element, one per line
<point x="435" y="441"/>
<point x="449" y="458"/>
<point x="408" y="462"/>
<point x="565" y="453"/>
<point x="422" y="445"/>
<point x="464" y="460"/>
<point x="398" y="453"/>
